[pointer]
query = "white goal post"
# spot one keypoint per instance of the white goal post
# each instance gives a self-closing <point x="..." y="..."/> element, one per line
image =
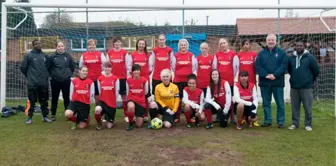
<point x="4" y="28"/>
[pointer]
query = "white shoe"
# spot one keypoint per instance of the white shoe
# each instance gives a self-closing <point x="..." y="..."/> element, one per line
<point x="308" y="128"/>
<point x="126" y="119"/>
<point x="292" y="127"/>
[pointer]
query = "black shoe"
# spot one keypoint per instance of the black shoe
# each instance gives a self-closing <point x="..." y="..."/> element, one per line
<point x="53" y="117"/>
<point x="188" y="125"/>
<point x="281" y="126"/>
<point x="266" y="125"/>
<point x="197" y="123"/>
<point x="130" y="127"/>
<point x="209" y="126"/>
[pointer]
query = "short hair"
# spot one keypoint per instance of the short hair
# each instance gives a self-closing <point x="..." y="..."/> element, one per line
<point x="243" y="73"/>
<point x="162" y="35"/>
<point x="116" y="39"/>
<point x="136" y="67"/>
<point x="183" y="40"/>
<point x="83" y="67"/>
<point x="221" y="40"/>
<point x="107" y="64"/>
<point x="92" y="41"/>
<point x="204" y="43"/>
<point x="35" y="40"/>
<point x="191" y="77"/>
<point x="165" y="72"/>
<point x="59" y="41"/>
<point x="244" y="41"/>
<point x="271" y="35"/>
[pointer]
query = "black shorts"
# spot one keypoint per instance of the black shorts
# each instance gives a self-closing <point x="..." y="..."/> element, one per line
<point x="96" y="89"/>
<point x="223" y="119"/>
<point x="247" y="110"/>
<point x="204" y="91"/>
<point x="165" y="115"/>
<point x="139" y="110"/>
<point x="122" y="86"/>
<point x="181" y="86"/>
<point x="108" y="111"/>
<point x="231" y="88"/>
<point x="82" y="110"/>
<point x="154" y="83"/>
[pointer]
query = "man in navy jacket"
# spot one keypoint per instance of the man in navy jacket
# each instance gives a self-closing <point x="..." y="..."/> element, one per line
<point x="271" y="65"/>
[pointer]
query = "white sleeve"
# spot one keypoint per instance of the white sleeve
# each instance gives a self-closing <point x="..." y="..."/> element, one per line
<point x="237" y="98"/>
<point x="98" y="85"/>
<point x="151" y="62"/>
<point x="129" y="62"/>
<point x="71" y="90"/>
<point x="117" y="90"/>
<point x="255" y="99"/>
<point x="194" y="64"/>
<point x="185" y="99"/>
<point x="171" y="60"/>
<point x="235" y="66"/>
<point x="173" y="63"/>
<point x="214" y="62"/>
<point x="81" y="61"/>
<point x="146" y="88"/>
<point x="208" y="97"/>
<point x="228" y="97"/>
<point x="103" y="60"/>
<point x="92" y="90"/>
<point x="127" y="89"/>
<point x="201" y="102"/>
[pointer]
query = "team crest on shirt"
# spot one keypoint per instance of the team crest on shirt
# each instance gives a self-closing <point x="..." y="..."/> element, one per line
<point x="171" y="91"/>
<point x="87" y="86"/>
<point x="251" y="58"/>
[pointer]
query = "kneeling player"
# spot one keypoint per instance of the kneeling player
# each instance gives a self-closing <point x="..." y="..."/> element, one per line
<point x="136" y="89"/>
<point x="81" y="94"/>
<point x="108" y="85"/>
<point x="218" y="99"/>
<point x="246" y="100"/>
<point x="193" y="101"/>
<point x="166" y="100"/>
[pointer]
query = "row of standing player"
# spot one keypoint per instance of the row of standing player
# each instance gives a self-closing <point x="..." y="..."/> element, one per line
<point x="182" y="63"/>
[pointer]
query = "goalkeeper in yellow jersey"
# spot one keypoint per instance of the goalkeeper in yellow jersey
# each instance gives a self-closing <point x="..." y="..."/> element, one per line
<point x="167" y="100"/>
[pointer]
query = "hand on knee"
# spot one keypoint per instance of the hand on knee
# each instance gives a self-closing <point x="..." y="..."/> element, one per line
<point x="68" y="113"/>
<point x="152" y="105"/>
<point x="167" y="124"/>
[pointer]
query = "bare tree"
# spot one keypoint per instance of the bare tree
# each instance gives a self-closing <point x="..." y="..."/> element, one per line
<point x="166" y="23"/>
<point x="191" y="22"/>
<point x="290" y="13"/>
<point x="54" y="19"/>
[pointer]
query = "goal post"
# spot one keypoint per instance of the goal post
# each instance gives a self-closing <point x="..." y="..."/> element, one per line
<point x="195" y="32"/>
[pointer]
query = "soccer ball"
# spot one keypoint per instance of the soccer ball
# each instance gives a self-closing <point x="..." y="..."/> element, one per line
<point x="156" y="123"/>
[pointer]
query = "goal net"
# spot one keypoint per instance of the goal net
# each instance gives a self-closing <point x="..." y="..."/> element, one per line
<point x="49" y="25"/>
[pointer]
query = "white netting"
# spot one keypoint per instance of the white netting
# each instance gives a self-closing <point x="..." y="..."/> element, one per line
<point x="132" y="25"/>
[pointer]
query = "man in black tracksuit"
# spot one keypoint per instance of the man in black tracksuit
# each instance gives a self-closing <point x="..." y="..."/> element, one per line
<point x="35" y="67"/>
<point x="61" y="68"/>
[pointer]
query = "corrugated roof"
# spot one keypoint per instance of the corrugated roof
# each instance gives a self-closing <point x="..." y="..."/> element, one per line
<point x="297" y="25"/>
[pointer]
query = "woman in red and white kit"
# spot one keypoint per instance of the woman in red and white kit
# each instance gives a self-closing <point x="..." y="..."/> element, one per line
<point x="141" y="57"/>
<point x="246" y="61"/>
<point x="160" y="59"/>
<point x="183" y="64"/>
<point x="81" y="95"/>
<point x="193" y="99"/>
<point x="93" y="60"/>
<point x="108" y="85"/>
<point x="227" y="63"/>
<point x="205" y="65"/>
<point x="136" y="89"/>
<point x="117" y="57"/>
<point x="218" y="99"/>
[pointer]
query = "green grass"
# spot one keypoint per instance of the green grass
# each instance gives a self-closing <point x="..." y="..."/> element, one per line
<point x="56" y="144"/>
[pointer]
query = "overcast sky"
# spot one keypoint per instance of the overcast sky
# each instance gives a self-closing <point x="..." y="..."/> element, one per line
<point x="216" y="17"/>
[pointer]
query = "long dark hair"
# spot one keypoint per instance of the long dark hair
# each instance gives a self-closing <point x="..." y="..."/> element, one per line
<point x="145" y="49"/>
<point x="212" y="83"/>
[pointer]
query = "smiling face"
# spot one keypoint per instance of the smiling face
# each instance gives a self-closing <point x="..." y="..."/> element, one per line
<point x="83" y="72"/>
<point x="162" y="40"/>
<point x="204" y="49"/>
<point x="215" y="76"/>
<point x="246" y="46"/>
<point x="37" y="45"/>
<point x="192" y="84"/>
<point x="141" y="45"/>
<point x="271" y="41"/>
<point x="92" y="46"/>
<point x="117" y="44"/>
<point x="183" y="46"/>
<point x="223" y="44"/>
<point x="60" y="47"/>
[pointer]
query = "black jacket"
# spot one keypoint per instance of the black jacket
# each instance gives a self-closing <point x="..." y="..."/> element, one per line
<point x="303" y="70"/>
<point x="61" y="66"/>
<point x="35" y="67"/>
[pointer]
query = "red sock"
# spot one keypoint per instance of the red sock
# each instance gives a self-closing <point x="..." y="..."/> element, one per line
<point x="130" y="116"/>
<point x="124" y="103"/>
<point x="208" y="115"/>
<point x="73" y="118"/>
<point x="98" y="117"/>
<point x="187" y="115"/>
<point x="88" y="119"/>
<point x="178" y="113"/>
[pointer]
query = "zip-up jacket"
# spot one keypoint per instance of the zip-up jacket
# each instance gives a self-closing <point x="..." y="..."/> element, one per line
<point x="61" y="66"/>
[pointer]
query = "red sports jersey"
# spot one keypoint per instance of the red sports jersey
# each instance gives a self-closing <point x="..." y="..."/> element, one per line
<point x="183" y="66"/>
<point x="204" y="70"/>
<point x="225" y="65"/>
<point x="94" y="63"/>
<point x="162" y="60"/>
<point x="118" y="62"/>
<point x="142" y="60"/>
<point x="82" y="90"/>
<point x="136" y="90"/>
<point x="246" y="62"/>
<point x="108" y="90"/>
<point x="194" y="96"/>
<point x="246" y="93"/>
<point x="221" y="97"/>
